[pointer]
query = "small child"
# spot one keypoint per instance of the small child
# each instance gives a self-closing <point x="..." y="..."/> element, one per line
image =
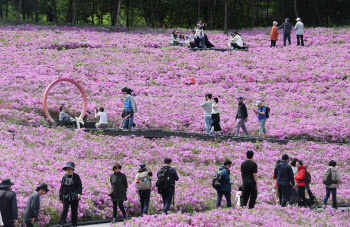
<point x="191" y="38"/>
<point x="238" y="196"/>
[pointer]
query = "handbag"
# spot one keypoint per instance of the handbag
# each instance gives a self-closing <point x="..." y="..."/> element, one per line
<point x="112" y="192"/>
<point x="294" y="198"/>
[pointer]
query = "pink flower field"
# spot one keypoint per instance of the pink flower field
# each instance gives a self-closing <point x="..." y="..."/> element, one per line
<point x="307" y="89"/>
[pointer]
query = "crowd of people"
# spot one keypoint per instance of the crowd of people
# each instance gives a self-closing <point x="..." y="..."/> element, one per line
<point x="287" y="29"/>
<point x="292" y="180"/>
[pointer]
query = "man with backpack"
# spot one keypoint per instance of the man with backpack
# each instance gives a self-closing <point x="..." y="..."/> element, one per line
<point x="331" y="180"/>
<point x="166" y="183"/>
<point x="222" y="184"/>
<point x="242" y="116"/>
<point x="249" y="171"/>
<point x="144" y="185"/>
<point x="285" y="180"/>
<point x="262" y="116"/>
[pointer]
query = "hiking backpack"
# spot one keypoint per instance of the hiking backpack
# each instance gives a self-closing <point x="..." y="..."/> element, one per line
<point x="328" y="178"/>
<point x="217" y="181"/>
<point x="307" y="178"/>
<point x="163" y="182"/>
<point x="267" y="111"/>
<point x="144" y="181"/>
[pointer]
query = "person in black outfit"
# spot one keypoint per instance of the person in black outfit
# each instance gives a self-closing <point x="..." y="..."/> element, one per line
<point x="242" y="116"/>
<point x="285" y="180"/>
<point x="119" y="182"/>
<point x="70" y="193"/>
<point x="249" y="171"/>
<point x="287" y="28"/>
<point x="167" y="188"/>
<point x="8" y="204"/>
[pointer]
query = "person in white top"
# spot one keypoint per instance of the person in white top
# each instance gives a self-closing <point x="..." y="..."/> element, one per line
<point x="236" y="41"/>
<point x="191" y="38"/>
<point x="238" y="196"/>
<point x="215" y="116"/>
<point x="199" y="37"/>
<point x="103" y="118"/>
<point x="299" y="28"/>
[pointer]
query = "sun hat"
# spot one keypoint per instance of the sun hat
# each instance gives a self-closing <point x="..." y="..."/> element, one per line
<point x="258" y="103"/>
<point x="42" y="186"/>
<point x="69" y="165"/>
<point x="116" y="166"/>
<point x="298" y="18"/>
<point x="6" y="183"/>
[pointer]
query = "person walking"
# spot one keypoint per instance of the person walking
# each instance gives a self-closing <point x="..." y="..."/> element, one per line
<point x="331" y="184"/>
<point x="261" y="112"/>
<point x="287" y="28"/>
<point x="242" y="116"/>
<point x="144" y="184"/>
<point x="207" y="105"/>
<point x="226" y="182"/>
<point x="103" y="123"/>
<point x="166" y="183"/>
<point x="31" y="212"/>
<point x="70" y="193"/>
<point x="249" y="171"/>
<point x="274" y="34"/>
<point x="215" y="117"/>
<point x="300" y="183"/>
<point x="275" y="189"/>
<point x="8" y="204"/>
<point x="285" y="180"/>
<point x="299" y="28"/>
<point x="130" y="108"/>
<point x="120" y="184"/>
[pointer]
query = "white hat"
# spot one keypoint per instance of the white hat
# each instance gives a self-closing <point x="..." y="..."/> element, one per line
<point x="258" y="103"/>
<point x="298" y="18"/>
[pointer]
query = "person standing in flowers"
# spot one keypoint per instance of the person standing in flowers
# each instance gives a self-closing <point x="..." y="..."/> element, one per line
<point x="144" y="184"/>
<point x="226" y="182"/>
<point x="287" y="28"/>
<point x="299" y="28"/>
<point x="215" y="117"/>
<point x="275" y="189"/>
<point x="285" y="180"/>
<point x="70" y="193"/>
<point x="191" y="38"/>
<point x="332" y="187"/>
<point x="207" y="105"/>
<point x="261" y="112"/>
<point x="274" y="34"/>
<point x="31" y="212"/>
<point x="130" y="108"/>
<point x="8" y="204"/>
<point x="249" y="171"/>
<point x="199" y="37"/>
<point x="120" y="184"/>
<point x="300" y="183"/>
<point x="242" y="116"/>
<point x="174" y="38"/>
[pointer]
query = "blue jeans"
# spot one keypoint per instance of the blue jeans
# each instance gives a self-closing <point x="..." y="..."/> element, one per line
<point x="334" y="196"/>
<point x="127" y="123"/>
<point x="285" y="37"/>
<point x="284" y="191"/>
<point x="200" y="40"/>
<point x="144" y="199"/>
<point x="207" y="123"/>
<point x="167" y="198"/>
<point x="227" y="196"/>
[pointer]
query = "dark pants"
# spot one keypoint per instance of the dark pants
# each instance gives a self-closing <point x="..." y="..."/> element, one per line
<point x="74" y="209"/>
<point x="8" y="223"/>
<point x="285" y="37"/>
<point x="301" y="194"/>
<point x="227" y="196"/>
<point x="216" y="122"/>
<point x="334" y="196"/>
<point x="115" y="208"/>
<point x="192" y="44"/>
<point x="144" y="199"/>
<point x="300" y="39"/>
<point x="284" y="191"/>
<point x="201" y="41"/>
<point x="128" y="122"/>
<point x="29" y="224"/>
<point x="273" y="43"/>
<point x="167" y="198"/>
<point x="249" y="190"/>
<point x="234" y="45"/>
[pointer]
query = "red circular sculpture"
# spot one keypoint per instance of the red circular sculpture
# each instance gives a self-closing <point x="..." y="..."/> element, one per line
<point x="47" y="90"/>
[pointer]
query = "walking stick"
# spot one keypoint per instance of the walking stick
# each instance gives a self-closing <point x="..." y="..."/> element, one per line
<point x="126" y="117"/>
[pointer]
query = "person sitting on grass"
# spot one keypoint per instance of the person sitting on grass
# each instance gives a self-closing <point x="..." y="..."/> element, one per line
<point x="174" y="39"/>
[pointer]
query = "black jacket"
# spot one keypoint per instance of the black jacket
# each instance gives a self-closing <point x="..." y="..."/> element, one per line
<point x="33" y="207"/>
<point x="173" y="175"/>
<point x="8" y="205"/>
<point x="284" y="174"/>
<point x="76" y="186"/>
<point x="119" y="181"/>
<point x="287" y="28"/>
<point x="242" y="112"/>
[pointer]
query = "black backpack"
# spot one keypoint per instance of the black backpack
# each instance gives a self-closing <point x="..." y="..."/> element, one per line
<point x="267" y="111"/>
<point x="164" y="182"/>
<point x="217" y="181"/>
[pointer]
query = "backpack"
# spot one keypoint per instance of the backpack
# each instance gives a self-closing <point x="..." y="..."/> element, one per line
<point x="328" y="178"/>
<point x="144" y="181"/>
<point x="268" y="109"/>
<point x="217" y="181"/>
<point x="307" y="178"/>
<point x="163" y="182"/>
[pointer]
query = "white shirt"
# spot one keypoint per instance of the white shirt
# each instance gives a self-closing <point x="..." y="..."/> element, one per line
<point x="237" y="39"/>
<point x="215" y="108"/>
<point x="199" y="33"/>
<point x="103" y="117"/>
<point x="238" y="197"/>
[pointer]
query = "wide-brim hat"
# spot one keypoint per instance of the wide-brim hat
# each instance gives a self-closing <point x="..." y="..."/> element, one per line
<point x="116" y="166"/>
<point x="69" y="165"/>
<point x="42" y="186"/>
<point x="6" y="183"/>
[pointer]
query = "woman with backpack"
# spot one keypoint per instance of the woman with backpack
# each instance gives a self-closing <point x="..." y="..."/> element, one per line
<point x="120" y="186"/>
<point x="129" y="109"/>
<point x="300" y="182"/>
<point x="144" y="184"/>
<point x="331" y="179"/>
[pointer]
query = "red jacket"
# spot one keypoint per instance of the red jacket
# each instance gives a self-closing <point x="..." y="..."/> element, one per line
<point x="300" y="177"/>
<point x="274" y="34"/>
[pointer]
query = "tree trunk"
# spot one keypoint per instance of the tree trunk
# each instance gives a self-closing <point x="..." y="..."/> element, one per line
<point x="23" y="6"/>
<point x="252" y="12"/>
<point x="128" y="13"/>
<point x="1" y="16"/>
<point x="317" y="13"/>
<point x="68" y="16"/>
<point x="282" y="13"/>
<point x="55" y="18"/>
<point x="92" y="11"/>
<point x="36" y="11"/>
<point x="295" y="9"/>
<point x="19" y="11"/>
<point x="199" y="9"/>
<point x="267" y="12"/>
<point x="74" y="11"/>
<point x="152" y="14"/>
<point x="118" y="12"/>
<point x="7" y="10"/>
<point x="210" y="13"/>
<point x="114" y="12"/>
<point x="225" y="20"/>
<point x="247" y="16"/>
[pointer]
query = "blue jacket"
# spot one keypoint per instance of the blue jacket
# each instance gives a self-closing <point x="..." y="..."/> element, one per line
<point x="284" y="174"/>
<point x="225" y="179"/>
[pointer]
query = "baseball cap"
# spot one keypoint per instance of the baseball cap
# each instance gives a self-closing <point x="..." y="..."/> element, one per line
<point x="239" y="97"/>
<point x="258" y="103"/>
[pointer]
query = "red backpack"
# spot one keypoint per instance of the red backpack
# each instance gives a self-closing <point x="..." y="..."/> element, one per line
<point x="307" y="178"/>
